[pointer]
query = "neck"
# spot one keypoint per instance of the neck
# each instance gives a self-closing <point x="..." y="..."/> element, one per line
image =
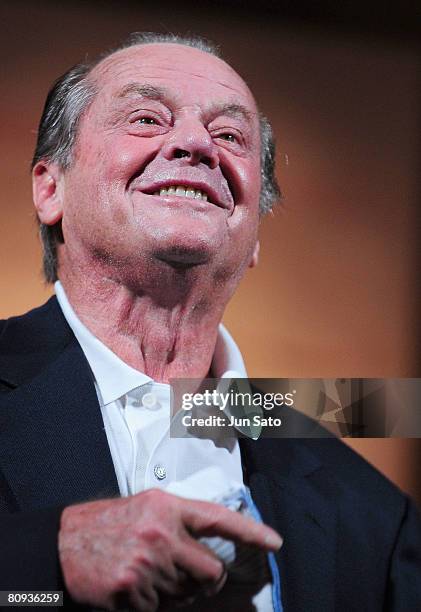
<point x="164" y="325"/>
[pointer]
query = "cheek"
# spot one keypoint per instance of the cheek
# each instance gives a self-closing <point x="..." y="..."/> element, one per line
<point x="122" y="161"/>
<point x="126" y="156"/>
<point x="243" y="174"/>
<point x="101" y="175"/>
<point x="251" y="176"/>
<point x="113" y="157"/>
<point x="244" y="222"/>
<point x="245" y="217"/>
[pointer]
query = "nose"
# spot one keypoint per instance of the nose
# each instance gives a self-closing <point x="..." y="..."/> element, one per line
<point x="190" y="139"/>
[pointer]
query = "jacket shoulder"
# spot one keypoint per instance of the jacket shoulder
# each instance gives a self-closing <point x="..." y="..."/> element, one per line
<point x="356" y="477"/>
<point x="339" y="473"/>
<point x="30" y="341"/>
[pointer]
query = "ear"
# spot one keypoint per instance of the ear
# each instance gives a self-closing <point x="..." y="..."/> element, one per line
<point x="255" y="257"/>
<point x="46" y="193"/>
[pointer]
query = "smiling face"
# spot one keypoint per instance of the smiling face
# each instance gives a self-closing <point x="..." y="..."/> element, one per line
<point x="166" y="164"/>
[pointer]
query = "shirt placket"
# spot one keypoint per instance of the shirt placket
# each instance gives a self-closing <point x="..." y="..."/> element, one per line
<point x="146" y="415"/>
<point x="161" y="466"/>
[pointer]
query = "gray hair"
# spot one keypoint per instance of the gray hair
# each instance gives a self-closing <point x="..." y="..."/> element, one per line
<point x="71" y="95"/>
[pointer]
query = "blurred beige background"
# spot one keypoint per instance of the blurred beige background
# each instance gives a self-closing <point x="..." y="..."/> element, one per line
<point x="336" y="291"/>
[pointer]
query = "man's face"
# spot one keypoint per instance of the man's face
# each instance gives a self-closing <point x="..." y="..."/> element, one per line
<point x="166" y="163"/>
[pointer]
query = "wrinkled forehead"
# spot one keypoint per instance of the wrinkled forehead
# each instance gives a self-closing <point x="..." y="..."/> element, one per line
<point x="203" y="73"/>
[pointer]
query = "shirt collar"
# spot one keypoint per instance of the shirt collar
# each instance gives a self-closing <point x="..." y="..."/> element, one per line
<point x="115" y="378"/>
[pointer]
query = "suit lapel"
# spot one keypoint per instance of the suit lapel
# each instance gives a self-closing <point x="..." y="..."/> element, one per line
<point x="283" y="479"/>
<point x="53" y="447"/>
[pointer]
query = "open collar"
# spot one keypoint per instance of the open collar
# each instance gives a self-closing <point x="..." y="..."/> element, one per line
<point x="116" y="378"/>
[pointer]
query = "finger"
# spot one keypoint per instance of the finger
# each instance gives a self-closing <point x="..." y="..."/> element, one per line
<point x="180" y="586"/>
<point x="170" y="604"/>
<point x="198" y="561"/>
<point x="207" y="519"/>
<point x="140" y="591"/>
<point x="188" y="591"/>
<point x="146" y="598"/>
<point x="213" y="589"/>
<point x="132" y="599"/>
<point x="160" y="571"/>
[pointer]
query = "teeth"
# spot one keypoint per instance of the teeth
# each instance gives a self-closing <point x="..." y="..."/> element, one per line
<point x="182" y="191"/>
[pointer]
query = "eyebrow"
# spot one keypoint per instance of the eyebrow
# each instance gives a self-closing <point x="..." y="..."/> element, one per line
<point x="161" y="94"/>
<point x="146" y="91"/>
<point x="236" y="111"/>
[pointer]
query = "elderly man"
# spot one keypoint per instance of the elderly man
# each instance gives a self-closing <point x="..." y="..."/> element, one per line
<point x="151" y="169"/>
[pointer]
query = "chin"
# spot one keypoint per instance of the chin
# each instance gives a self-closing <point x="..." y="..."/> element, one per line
<point x="190" y="243"/>
<point x="185" y="255"/>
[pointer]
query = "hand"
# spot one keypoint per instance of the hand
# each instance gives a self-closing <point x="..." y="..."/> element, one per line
<point x="130" y="552"/>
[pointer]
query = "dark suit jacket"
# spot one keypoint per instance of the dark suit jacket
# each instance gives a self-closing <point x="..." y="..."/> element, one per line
<point x="352" y="541"/>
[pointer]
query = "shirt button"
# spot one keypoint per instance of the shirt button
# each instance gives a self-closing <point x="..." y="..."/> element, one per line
<point x="160" y="472"/>
<point x="149" y="400"/>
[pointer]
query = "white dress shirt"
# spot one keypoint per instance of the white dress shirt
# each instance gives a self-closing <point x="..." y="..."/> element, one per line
<point x="136" y="414"/>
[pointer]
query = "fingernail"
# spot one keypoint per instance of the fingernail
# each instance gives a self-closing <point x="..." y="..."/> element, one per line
<point x="222" y="580"/>
<point x="274" y="541"/>
<point x="215" y="588"/>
